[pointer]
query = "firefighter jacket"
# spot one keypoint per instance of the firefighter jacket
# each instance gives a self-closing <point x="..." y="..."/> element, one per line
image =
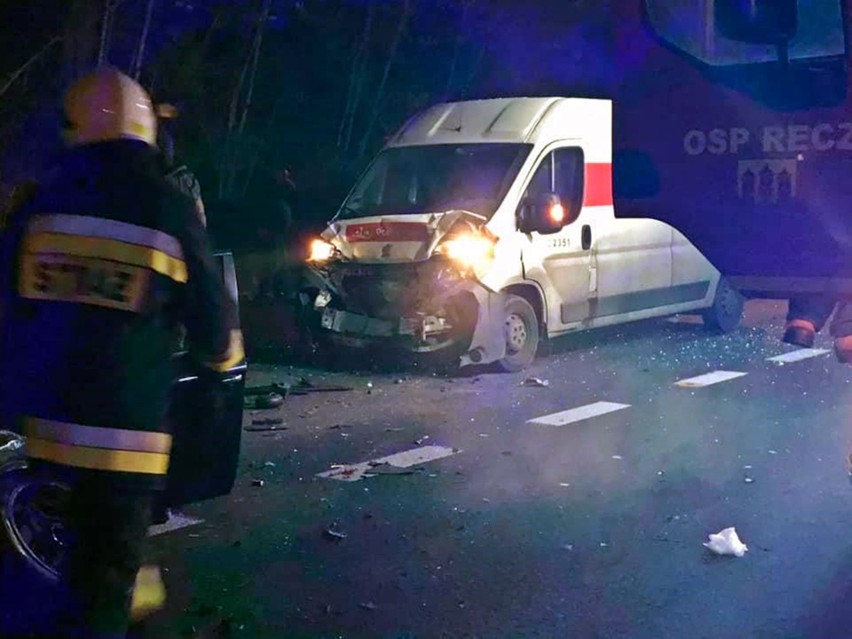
<point x="98" y="269"/>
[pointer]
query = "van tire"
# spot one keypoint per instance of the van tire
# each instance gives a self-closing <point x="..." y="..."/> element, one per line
<point x="727" y="309"/>
<point x="521" y="330"/>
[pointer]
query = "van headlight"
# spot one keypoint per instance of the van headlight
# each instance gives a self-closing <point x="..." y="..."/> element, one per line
<point x="469" y="251"/>
<point x="321" y="251"/>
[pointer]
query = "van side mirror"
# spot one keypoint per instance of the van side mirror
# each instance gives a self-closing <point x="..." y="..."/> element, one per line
<point x="546" y="215"/>
<point x="757" y="21"/>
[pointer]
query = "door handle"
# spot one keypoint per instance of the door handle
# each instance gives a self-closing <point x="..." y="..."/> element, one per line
<point x="586" y="237"/>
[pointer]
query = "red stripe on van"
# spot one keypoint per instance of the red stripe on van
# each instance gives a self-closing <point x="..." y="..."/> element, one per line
<point x="387" y="232"/>
<point x="598" y="187"/>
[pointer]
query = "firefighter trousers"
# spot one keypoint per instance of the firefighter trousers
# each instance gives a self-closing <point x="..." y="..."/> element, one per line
<point x="106" y="551"/>
<point x="817" y="309"/>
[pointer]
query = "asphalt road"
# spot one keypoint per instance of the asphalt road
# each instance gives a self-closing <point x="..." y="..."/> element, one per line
<point x="585" y="530"/>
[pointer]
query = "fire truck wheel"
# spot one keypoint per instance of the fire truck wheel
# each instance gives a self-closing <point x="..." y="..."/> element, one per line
<point x="520" y="328"/>
<point x="727" y="310"/>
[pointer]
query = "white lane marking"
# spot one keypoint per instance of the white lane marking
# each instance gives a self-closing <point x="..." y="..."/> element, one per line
<point x="798" y="355"/>
<point x="708" y="379"/>
<point x="405" y="459"/>
<point x="572" y="415"/>
<point x="176" y="522"/>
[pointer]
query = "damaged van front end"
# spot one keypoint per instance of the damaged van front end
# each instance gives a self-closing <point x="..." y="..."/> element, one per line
<point x="407" y="282"/>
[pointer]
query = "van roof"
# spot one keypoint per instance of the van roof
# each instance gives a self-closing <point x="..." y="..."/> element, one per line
<point x="494" y="120"/>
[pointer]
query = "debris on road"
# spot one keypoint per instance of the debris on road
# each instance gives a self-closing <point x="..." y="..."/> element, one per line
<point x="420" y="442"/>
<point x="257" y="482"/>
<point x="269" y="401"/>
<point x="404" y="459"/>
<point x="387" y="469"/>
<point x="748" y="480"/>
<point x="368" y="605"/>
<point x="262" y="426"/>
<point x="270" y="464"/>
<point x="726" y="542"/>
<point x="302" y="387"/>
<point x="253" y="391"/>
<point x="618" y="457"/>
<point x="334" y="535"/>
<point x="535" y="382"/>
<point x="773" y="452"/>
<point x="267" y="421"/>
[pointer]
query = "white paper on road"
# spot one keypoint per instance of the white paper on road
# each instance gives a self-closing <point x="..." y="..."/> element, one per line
<point x="405" y="459"/>
<point x="726" y="542"/>
<point x="572" y="415"/>
<point x="176" y="522"/>
<point x="798" y="355"/>
<point x="709" y="379"/>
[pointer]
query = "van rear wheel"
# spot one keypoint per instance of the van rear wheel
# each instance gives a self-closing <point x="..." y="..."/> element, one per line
<point x="521" y="331"/>
<point x="727" y="310"/>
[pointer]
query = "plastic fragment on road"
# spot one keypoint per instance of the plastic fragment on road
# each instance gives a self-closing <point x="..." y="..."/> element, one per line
<point x="535" y="382"/>
<point x="404" y="459"/>
<point x="335" y="535"/>
<point x="726" y="542"/>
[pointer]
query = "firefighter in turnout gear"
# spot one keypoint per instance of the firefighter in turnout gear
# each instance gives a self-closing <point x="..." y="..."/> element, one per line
<point x="98" y="269"/>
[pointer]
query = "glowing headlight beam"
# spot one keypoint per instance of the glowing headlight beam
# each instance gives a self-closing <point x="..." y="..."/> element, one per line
<point x="469" y="250"/>
<point x="320" y="251"/>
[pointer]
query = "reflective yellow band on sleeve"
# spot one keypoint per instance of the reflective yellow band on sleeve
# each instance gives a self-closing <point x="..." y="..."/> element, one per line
<point x="97" y="436"/>
<point x="233" y="356"/>
<point x="124" y="461"/>
<point x="108" y="249"/>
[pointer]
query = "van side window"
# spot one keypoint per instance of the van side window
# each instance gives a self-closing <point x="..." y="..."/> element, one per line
<point x="542" y="181"/>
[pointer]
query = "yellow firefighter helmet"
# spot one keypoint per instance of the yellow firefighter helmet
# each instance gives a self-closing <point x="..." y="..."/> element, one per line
<point x="108" y="105"/>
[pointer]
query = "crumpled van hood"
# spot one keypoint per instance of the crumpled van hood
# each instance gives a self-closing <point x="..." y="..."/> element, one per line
<point x="391" y="239"/>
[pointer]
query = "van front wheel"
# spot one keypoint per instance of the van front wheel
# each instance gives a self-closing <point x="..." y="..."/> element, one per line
<point x="521" y="331"/>
<point x="727" y="310"/>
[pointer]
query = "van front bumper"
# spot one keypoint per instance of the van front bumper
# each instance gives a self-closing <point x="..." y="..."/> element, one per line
<point x="464" y="317"/>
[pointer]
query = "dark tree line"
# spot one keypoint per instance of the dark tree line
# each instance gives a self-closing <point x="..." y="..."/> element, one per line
<point x="312" y="85"/>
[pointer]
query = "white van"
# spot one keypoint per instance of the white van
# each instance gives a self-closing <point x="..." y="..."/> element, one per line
<point x="485" y="226"/>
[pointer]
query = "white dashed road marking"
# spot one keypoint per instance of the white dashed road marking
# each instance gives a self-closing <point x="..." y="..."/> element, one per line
<point x="175" y="522"/>
<point x="798" y="355"/>
<point x="565" y="417"/>
<point x="708" y="379"/>
<point x="405" y="459"/>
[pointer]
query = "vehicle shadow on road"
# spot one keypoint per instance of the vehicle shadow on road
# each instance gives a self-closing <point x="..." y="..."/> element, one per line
<point x="831" y="617"/>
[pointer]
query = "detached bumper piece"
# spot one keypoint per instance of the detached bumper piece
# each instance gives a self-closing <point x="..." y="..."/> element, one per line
<point x="339" y="321"/>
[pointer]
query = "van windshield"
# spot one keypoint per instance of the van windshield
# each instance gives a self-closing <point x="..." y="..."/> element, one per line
<point x="436" y="178"/>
